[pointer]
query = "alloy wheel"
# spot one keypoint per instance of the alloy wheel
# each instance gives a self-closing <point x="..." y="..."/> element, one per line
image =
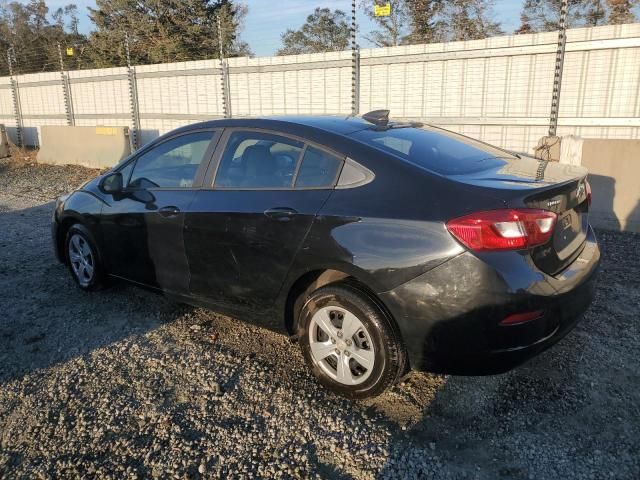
<point x="341" y="345"/>
<point x="81" y="258"/>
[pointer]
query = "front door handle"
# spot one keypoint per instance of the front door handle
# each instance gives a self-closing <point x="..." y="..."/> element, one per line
<point x="282" y="214"/>
<point x="170" y="211"/>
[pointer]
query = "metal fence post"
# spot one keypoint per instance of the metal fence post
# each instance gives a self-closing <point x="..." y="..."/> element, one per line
<point x="15" y="96"/>
<point x="133" y="97"/>
<point x="557" y="78"/>
<point x="66" y="90"/>
<point x="224" y="75"/>
<point x="355" y="64"/>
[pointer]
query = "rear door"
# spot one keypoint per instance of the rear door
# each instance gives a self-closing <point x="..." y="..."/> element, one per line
<point x="142" y="226"/>
<point x="242" y="234"/>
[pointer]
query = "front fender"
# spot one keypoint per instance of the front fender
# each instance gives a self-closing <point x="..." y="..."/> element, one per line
<point x="82" y="207"/>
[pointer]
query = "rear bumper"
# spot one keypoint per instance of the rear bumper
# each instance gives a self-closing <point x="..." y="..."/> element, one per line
<point x="450" y="316"/>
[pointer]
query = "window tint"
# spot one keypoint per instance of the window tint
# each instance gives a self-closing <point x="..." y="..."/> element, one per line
<point x="173" y="163"/>
<point x="258" y="160"/>
<point x="442" y="152"/>
<point x="318" y="169"/>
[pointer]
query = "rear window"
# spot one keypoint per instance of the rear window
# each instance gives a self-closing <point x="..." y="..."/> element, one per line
<point x="441" y="152"/>
<point x="318" y="169"/>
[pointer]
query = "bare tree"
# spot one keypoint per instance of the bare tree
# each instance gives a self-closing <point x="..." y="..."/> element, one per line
<point x="324" y="31"/>
<point x="621" y="11"/>
<point x="470" y="19"/>
<point x="425" y="21"/>
<point x="392" y="29"/>
<point x="543" y="15"/>
<point x="595" y="13"/>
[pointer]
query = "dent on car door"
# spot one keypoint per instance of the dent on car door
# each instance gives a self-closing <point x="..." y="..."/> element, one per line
<point x="143" y="225"/>
<point x="242" y="235"/>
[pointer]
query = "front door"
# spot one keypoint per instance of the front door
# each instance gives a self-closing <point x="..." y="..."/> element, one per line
<point x="142" y="226"/>
<point x="242" y="236"/>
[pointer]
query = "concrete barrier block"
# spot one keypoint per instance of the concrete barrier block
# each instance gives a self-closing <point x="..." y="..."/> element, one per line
<point x="4" y="143"/>
<point x="93" y="147"/>
<point x="614" y="175"/>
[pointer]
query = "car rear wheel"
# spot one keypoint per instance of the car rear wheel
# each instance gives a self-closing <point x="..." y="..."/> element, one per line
<point x="350" y="344"/>
<point x="83" y="258"/>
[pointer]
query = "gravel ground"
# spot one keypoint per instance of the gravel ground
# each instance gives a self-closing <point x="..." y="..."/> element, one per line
<point x="122" y="383"/>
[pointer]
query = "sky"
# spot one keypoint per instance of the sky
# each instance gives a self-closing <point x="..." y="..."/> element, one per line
<point x="268" y="19"/>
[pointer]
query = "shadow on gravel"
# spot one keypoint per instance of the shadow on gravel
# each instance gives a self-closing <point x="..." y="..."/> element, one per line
<point x="477" y="421"/>
<point x="45" y="318"/>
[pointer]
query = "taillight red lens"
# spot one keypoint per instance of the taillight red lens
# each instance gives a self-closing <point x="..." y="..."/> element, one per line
<point x="523" y="317"/>
<point x="509" y="229"/>
<point x="587" y="186"/>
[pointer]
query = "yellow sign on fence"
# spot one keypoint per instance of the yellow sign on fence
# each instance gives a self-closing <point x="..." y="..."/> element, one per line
<point x="383" y="10"/>
<point x="69" y="51"/>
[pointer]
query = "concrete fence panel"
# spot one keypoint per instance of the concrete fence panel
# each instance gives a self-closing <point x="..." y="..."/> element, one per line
<point x="4" y="142"/>
<point x="614" y="174"/>
<point x="294" y="84"/>
<point x="496" y="89"/>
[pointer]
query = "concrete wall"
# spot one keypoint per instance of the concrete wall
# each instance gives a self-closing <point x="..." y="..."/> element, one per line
<point x="94" y="147"/>
<point x="497" y="89"/>
<point x="614" y="175"/>
<point x="4" y="143"/>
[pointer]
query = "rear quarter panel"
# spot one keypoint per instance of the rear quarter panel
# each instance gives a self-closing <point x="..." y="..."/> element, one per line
<point x="392" y="229"/>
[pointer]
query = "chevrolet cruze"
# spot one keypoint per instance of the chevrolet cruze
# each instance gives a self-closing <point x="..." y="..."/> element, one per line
<point x="378" y="246"/>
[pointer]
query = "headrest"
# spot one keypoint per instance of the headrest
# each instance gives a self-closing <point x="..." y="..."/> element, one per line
<point x="257" y="160"/>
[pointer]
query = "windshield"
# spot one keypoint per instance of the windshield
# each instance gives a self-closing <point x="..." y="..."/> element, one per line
<point x="437" y="150"/>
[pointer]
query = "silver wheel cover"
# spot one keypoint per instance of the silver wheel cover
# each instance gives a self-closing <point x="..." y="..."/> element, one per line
<point x="81" y="258"/>
<point x="341" y="345"/>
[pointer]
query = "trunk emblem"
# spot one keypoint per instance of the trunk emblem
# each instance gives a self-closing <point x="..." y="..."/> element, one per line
<point x="553" y="203"/>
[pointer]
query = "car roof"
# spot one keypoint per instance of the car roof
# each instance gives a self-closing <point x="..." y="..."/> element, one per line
<point x="297" y="124"/>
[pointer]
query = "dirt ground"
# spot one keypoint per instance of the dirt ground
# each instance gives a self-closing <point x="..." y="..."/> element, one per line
<point x="122" y="383"/>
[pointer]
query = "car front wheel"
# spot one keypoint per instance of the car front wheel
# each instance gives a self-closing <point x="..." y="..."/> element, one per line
<point x="350" y="344"/>
<point x="83" y="258"/>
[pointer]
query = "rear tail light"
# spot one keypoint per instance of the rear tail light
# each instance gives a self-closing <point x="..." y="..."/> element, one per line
<point x="523" y="317"/>
<point x="510" y="229"/>
<point x="587" y="186"/>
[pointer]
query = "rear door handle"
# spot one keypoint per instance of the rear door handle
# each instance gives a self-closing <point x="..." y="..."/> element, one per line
<point x="283" y="214"/>
<point x="170" y="211"/>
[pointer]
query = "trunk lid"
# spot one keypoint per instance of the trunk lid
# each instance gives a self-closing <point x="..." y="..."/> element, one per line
<point x="530" y="183"/>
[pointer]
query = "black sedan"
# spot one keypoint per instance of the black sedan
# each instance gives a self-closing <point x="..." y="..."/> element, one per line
<point x="379" y="246"/>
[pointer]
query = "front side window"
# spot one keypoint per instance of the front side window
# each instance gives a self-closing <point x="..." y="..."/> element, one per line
<point x="171" y="164"/>
<point x="258" y="160"/>
<point x="318" y="169"/>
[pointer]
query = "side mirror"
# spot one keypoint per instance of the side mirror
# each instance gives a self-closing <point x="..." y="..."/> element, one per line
<point x="112" y="183"/>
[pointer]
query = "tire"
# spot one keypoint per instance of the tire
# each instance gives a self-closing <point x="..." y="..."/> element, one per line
<point x="356" y="366"/>
<point x="83" y="258"/>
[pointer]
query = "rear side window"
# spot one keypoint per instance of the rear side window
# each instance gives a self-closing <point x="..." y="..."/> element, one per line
<point x="439" y="151"/>
<point x="258" y="160"/>
<point x="318" y="169"/>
